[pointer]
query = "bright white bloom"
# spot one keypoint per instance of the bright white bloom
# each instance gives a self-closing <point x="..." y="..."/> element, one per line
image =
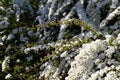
<point x="4" y="38"/>
<point x="118" y="38"/>
<point x="111" y="75"/>
<point x="108" y="37"/>
<point x="97" y="61"/>
<point x="119" y="35"/>
<point x="62" y="30"/>
<point x="89" y="34"/>
<point x="110" y="16"/>
<point x="118" y="68"/>
<point x="64" y="54"/>
<point x="114" y="3"/>
<point x="1" y="43"/>
<point x="5" y="63"/>
<point x="18" y="60"/>
<point x="117" y="41"/>
<point x="27" y="50"/>
<point x="94" y="76"/>
<point x="8" y="76"/>
<point x="17" y="17"/>
<point x="10" y="36"/>
<point x="2" y="8"/>
<point x="27" y="68"/>
<point x="84" y="60"/>
<point x="109" y="52"/>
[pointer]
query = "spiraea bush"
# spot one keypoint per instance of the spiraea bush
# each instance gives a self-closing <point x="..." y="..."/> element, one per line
<point x="55" y="39"/>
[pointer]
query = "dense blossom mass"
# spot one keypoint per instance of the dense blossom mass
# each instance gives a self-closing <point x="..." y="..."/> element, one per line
<point x="60" y="39"/>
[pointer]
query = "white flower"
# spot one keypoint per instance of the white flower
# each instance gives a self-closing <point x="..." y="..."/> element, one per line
<point x="27" y="50"/>
<point x="10" y="36"/>
<point x="1" y="43"/>
<point x="27" y="68"/>
<point x="97" y="61"/>
<point x="118" y="68"/>
<point x="101" y="72"/>
<point x="111" y="75"/>
<point x="76" y="42"/>
<point x="118" y="39"/>
<point x="5" y="63"/>
<point x="62" y="30"/>
<point x="2" y="8"/>
<point x="84" y="60"/>
<point x="8" y="76"/>
<point x="64" y="54"/>
<point x="18" y="60"/>
<point x="89" y="34"/>
<point x="108" y="37"/>
<point x="109" y="52"/>
<point x="4" y="38"/>
<point x="119" y="35"/>
<point x="17" y="17"/>
<point x="94" y="76"/>
<point x="114" y="3"/>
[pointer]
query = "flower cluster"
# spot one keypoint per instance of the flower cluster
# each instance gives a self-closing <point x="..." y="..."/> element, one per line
<point x="83" y="61"/>
<point x="60" y="39"/>
<point x="5" y="63"/>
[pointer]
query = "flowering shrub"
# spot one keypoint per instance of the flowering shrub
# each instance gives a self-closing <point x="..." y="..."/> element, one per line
<point x="59" y="39"/>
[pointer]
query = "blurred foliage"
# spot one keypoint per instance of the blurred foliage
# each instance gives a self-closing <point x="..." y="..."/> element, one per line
<point x="5" y="3"/>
